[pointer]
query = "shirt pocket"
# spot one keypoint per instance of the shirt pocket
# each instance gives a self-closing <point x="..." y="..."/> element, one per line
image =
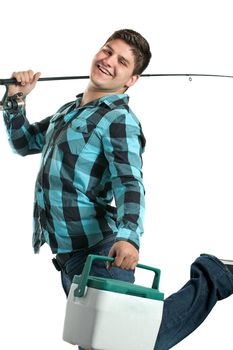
<point x="76" y="136"/>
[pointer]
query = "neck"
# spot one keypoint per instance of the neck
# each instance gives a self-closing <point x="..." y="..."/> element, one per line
<point x="92" y="94"/>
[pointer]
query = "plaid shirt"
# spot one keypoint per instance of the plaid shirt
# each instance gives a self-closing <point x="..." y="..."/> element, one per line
<point x="91" y="156"/>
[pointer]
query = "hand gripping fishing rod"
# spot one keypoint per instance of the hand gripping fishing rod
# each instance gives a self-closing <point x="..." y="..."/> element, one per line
<point x="13" y="102"/>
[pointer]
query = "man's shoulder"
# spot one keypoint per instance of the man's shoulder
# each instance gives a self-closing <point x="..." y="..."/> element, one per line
<point x="117" y="108"/>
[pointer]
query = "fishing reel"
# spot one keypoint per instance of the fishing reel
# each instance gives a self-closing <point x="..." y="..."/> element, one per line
<point x="12" y="103"/>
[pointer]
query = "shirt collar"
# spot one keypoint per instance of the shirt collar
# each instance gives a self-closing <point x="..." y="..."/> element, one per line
<point x="111" y="101"/>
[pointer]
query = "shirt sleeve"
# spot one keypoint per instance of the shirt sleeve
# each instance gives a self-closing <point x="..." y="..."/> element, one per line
<point x="123" y="146"/>
<point x="25" y="138"/>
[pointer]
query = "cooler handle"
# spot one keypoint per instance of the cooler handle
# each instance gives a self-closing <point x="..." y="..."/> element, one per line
<point x="79" y="292"/>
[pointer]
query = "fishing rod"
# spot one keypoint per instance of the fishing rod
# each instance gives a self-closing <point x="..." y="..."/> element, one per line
<point x="12" y="103"/>
<point x="14" y="81"/>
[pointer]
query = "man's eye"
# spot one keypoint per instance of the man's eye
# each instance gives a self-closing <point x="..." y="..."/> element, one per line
<point x="123" y="62"/>
<point x="107" y="51"/>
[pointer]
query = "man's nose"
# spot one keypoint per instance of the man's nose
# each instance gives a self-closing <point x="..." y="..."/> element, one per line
<point x="110" y="60"/>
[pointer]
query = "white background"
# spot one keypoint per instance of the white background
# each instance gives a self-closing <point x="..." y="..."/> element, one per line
<point x="188" y="167"/>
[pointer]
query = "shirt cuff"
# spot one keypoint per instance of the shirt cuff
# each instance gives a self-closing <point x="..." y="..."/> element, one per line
<point x="130" y="236"/>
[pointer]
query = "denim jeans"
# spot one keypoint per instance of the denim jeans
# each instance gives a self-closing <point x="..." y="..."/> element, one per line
<point x="184" y="311"/>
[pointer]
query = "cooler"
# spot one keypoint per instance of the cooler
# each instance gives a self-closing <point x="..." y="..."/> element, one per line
<point x="107" y="314"/>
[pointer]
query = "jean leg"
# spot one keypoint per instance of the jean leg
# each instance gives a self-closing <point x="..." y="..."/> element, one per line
<point x="74" y="266"/>
<point x="185" y="310"/>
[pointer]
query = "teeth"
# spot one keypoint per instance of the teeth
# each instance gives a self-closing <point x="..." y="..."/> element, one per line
<point x="103" y="70"/>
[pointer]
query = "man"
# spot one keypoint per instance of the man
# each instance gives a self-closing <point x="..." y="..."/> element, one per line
<point x="91" y="155"/>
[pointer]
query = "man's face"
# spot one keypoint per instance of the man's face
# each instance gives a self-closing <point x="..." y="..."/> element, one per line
<point x="112" y="67"/>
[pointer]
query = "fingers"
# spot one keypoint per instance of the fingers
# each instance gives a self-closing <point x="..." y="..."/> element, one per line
<point x="26" y="81"/>
<point x="127" y="263"/>
<point x="26" y="77"/>
<point x="125" y="254"/>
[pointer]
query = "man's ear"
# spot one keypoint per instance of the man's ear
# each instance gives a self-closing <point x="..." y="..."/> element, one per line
<point x="132" y="81"/>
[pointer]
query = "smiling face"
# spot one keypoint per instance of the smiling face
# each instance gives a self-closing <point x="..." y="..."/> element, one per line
<point x="112" y="68"/>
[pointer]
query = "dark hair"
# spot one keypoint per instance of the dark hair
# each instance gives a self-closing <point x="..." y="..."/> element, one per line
<point x="139" y="45"/>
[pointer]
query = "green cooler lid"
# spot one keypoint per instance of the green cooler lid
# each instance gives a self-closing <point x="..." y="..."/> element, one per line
<point x="113" y="285"/>
<point x="121" y="287"/>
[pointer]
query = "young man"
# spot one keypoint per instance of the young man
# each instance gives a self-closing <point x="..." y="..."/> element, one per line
<point x="91" y="151"/>
<point x="91" y="154"/>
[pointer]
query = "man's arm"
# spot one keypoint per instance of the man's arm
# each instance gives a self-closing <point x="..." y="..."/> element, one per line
<point x="25" y="138"/>
<point x="123" y="146"/>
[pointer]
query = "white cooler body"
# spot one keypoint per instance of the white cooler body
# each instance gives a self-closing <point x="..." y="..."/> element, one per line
<point x="105" y="320"/>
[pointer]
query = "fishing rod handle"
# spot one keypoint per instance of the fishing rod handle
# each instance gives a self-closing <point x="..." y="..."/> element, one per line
<point x="14" y="81"/>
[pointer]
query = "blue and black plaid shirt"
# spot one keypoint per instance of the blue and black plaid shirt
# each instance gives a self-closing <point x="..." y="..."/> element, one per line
<point x="91" y="157"/>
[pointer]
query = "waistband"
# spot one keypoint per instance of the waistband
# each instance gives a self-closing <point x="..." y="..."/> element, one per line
<point x="61" y="258"/>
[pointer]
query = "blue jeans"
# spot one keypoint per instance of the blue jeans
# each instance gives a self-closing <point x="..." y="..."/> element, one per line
<point x="183" y="311"/>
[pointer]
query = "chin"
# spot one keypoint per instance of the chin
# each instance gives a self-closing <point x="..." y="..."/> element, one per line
<point x="99" y="83"/>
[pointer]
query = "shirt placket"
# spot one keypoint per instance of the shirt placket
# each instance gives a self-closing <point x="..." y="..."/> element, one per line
<point x="41" y="219"/>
